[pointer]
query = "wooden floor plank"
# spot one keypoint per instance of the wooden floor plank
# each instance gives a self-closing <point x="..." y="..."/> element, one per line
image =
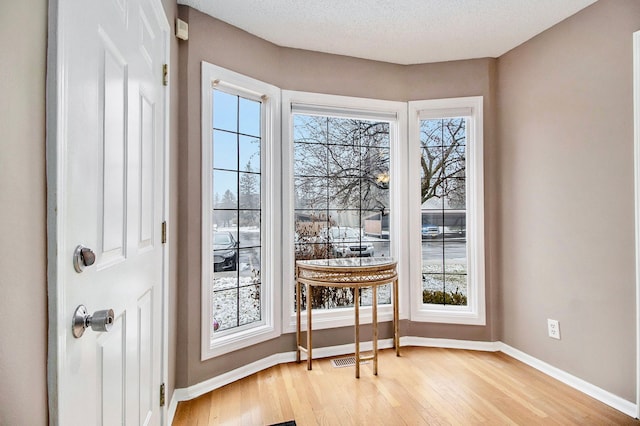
<point x="431" y="386"/>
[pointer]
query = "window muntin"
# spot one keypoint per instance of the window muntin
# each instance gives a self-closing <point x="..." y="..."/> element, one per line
<point x="341" y="189"/>
<point x="236" y="295"/>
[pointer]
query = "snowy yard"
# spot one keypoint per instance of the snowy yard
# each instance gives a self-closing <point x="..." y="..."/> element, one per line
<point x="455" y="278"/>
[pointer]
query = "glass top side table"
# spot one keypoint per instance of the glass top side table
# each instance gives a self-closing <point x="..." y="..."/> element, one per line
<point x="355" y="273"/>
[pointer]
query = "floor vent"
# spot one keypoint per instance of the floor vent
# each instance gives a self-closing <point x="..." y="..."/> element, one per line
<point x="349" y="361"/>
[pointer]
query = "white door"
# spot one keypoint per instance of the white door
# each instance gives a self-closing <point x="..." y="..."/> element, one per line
<point x="110" y="193"/>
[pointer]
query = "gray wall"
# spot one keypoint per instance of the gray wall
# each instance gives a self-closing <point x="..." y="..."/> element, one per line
<point x="224" y="45"/>
<point x="565" y="128"/>
<point x="23" y="280"/>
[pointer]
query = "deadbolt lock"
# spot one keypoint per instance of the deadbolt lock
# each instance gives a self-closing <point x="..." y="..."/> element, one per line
<point x="83" y="257"/>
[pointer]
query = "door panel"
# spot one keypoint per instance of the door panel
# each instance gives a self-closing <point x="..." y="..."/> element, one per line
<point x="145" y="363"/>
<point x="114" y="179"/>
<point x="111" y="368"/>
<point x="147" y="171"/>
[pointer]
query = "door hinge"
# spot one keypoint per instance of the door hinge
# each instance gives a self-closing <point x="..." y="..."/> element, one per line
<point x="165" y="74"/>
<point x="164" y="232"/>
<point x="162" y="395"/>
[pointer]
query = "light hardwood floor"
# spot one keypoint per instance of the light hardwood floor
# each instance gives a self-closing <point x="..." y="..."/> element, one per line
<point x="425" y="386"/>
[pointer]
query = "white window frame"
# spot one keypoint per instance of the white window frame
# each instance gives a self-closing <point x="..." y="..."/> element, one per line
<point x="364" y="108"/>
<point x="475" y="312"/>
<point x="269" y="326"/>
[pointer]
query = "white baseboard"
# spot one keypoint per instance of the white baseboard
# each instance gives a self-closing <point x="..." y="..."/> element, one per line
<point x="171" y="410"/>
<point x="600" y="394"/>
<point x="593" y="391"/>
<point x="429" y="342"/>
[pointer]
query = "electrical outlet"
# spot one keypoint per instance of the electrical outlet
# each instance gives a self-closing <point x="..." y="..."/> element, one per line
<point x="554" y="328"/>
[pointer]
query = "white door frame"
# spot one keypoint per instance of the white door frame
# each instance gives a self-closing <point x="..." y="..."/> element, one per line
<point x="636" y="149"/>
<point x="55" y="145"/>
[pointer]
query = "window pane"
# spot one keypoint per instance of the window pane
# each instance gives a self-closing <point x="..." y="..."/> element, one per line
<point x="328" y="298"/>
<point x="455" y="255"/>
<point x="376" y="162"/>
<point x="310" y="239"/>
<point x="343" y="161"/>
<point x="225" y="189"/>
<point x="432" y="193"/>
<point x="432" y="161"/>
<point x="249" y="191"/>
<point x="310" y="193"/>
<point x="224" y="280"/>
<point x="456" y="289"/>
<point x="225" y="220"/>
<point x="237" y="211"/>
<point x="310" y="159"/>
<point x="225" y="149"/>
<point x="225" y="309"/>
<point x="384" y="295"/>
<point x="433" y="288"/>
<point x="344" y="193"/>
<point x="453" y="131"/>
<point x="375" y="192"/>
<point x="341" y="192"/>
<point x="443" y="192"/>
<point x="225" y="111"/>
<point x="249" y="304"/>
<point x="431" y="133"/>
<point x="249" y="269"/>
<point x="249" y="122"/>
<point x="374" y="134"/>
<point x="443" y="132"/>
<point x="249" y="154"/>
<point x="455" y="194"/>
<point x="249" y="229"/>
<point x="307" y="250"/>
<point x="433" y="257"/>
<point x="249" y="265"/>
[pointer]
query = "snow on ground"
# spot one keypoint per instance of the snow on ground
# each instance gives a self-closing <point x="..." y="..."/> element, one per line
<point x="226" y="293"/>
<point x="455" y="278"/>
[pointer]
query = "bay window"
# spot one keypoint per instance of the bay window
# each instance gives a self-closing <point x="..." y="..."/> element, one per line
<point x="344" y="180"/>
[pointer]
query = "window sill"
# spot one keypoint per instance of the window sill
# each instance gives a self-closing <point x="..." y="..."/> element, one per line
<point x="449" y="315"/>
<point x="334" y="318"/>
<point x="237" y="340"/>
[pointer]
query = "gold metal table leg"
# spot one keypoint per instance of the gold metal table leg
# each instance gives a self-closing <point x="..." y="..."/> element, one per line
<point x="374" y="320"/>
<point x="309" y="309"/>
<point x="396" y="318"/>
<point x="298" y="321"/>
<point x="356" y="301"/>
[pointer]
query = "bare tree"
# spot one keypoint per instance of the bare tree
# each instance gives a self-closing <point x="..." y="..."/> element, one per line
<point x="353" y="156"/>
<point x="341" y="162"/>
<point x="442" y="143"/>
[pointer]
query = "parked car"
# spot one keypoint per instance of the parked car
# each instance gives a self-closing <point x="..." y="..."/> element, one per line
<point x="225" y="253"/>
<point x="430" y="231"/>
<point x="347" y="242"/>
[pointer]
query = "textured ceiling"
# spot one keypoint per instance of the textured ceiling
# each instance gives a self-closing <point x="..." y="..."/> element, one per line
<point x="398" y="31"/>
